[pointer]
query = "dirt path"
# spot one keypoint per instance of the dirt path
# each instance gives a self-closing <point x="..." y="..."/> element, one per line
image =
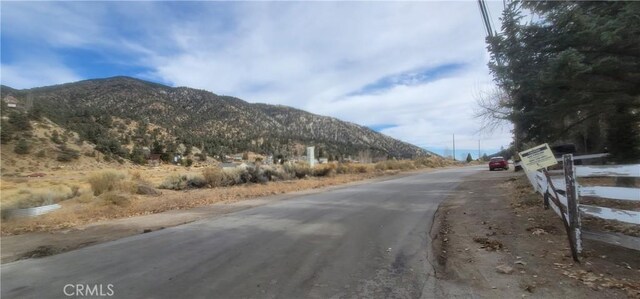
<point x="494" y="240"/>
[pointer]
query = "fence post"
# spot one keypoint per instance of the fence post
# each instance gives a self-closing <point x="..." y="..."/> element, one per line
<point x="546" y="199"/>
<point x="572" y="205"/>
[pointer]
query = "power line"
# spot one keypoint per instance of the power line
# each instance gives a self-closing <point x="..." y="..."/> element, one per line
<point x="484" y="12"/>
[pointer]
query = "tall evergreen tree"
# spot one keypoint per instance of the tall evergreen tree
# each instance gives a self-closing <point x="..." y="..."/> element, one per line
<point x="570" y="70"/>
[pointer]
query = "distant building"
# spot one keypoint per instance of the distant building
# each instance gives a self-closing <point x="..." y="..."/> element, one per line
<point x="11" y="101"/>
<point x="323" y="160"/>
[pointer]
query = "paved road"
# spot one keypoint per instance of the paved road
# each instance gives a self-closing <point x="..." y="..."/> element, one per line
<point x="370" y="240"/>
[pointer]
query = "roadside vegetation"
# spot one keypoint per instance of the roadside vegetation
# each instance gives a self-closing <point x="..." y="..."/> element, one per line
<point x="111" y="194"/>
<point x="214" y="177"/>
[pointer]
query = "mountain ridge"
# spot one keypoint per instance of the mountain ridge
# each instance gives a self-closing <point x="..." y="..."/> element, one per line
<point x="218" y="124"/>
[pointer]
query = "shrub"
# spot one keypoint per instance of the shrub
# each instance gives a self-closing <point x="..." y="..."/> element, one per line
<point x="215" y="177"/>
<point x="395" y="165"/>
<point x="173" y="182"/>
<point x="233" y="176"/>
<point x="55" y="137"/>
<point x="275" y="173"/>
<point x="39" y="199"/>
<point x="126" y="186"/>
<point x="342" y="168"/>
<point x="104" y="181"/>
<point x="181" y="182"/>
<point x="19" y="121"/>
<point x="26" y="198"/>
<point x="188" y="162"/>
<point x="431" y="161"/>
<point x="135" y="174"/>
<point x="298" y="170"/>
<point x="256" y="175"/>
<point x="66" y="154"/>
<point x="115" y="198"/>
<point x="75" y="190"/>
<point x="196" y="181"/>
<point x="22" y="147"/>
<point x="325" y="170"/>
<point x="6" y="132"/>
<point x="86" y="197"/>
<point x="281" y="174"/>
<point x="361" y="168"/>
<point x="138" y="159"/>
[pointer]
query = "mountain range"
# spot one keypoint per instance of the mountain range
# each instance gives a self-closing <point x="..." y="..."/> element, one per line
<point x="121" y="111"/>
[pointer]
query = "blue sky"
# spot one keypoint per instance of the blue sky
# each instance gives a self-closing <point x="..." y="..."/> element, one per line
<point x="410" y="70"/>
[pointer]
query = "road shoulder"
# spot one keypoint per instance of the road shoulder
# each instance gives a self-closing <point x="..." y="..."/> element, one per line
<point x="493" y="239"/>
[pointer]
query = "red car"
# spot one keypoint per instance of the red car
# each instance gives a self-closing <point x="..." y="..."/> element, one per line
<point x="498" y="162"/>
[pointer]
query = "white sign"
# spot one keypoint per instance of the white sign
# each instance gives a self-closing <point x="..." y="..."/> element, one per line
<point x="311" y="156"/>
<point x="537" y="158"/>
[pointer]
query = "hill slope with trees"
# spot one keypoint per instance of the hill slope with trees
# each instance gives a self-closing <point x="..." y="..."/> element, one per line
<point x="120" y="115"/>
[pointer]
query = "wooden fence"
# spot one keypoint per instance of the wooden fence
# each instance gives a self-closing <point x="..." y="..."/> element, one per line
<point x="562" y="192"/>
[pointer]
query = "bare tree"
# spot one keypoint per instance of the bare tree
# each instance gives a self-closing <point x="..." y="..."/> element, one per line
<point x="493" y="108"/>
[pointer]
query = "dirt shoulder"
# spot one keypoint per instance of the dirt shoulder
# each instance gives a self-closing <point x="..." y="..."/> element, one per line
<point x="493" y="239"/>
<point x="43" y="243"/>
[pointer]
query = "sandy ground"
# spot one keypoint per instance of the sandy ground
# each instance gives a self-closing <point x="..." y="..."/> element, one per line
<point x="496" y="221"/>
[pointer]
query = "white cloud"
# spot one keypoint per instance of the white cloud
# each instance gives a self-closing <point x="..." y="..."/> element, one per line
<point x="25" y="75"/>
<point x="310" y="55"/>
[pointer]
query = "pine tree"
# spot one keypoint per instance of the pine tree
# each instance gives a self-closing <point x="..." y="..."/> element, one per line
<point x="569" y="70"/>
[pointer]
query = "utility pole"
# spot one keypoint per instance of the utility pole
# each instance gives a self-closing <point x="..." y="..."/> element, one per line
<point x="454" y="147"/>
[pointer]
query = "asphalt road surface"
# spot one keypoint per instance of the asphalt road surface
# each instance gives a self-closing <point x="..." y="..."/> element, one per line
<point x="365" y="241"/>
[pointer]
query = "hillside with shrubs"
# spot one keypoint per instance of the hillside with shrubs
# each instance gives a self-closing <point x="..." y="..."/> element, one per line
<point x="122" y="115"/>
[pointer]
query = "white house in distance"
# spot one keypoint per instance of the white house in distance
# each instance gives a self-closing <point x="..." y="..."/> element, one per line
<point x="11" y="101"/>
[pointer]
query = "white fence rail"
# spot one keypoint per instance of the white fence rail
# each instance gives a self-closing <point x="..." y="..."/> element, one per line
<point x="620" y="193"/>
<point x="562" y="193"/>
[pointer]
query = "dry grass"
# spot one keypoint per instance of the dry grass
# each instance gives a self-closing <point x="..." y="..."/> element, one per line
<point x="184" y="181"/>
<point x="22" y="196"/>
<point x="77" y="211"/>
<point x="105" y="181"/>
<point x="325" y="170"/>
<point x="395" y="165"/>
<point x="123" y="195"/>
